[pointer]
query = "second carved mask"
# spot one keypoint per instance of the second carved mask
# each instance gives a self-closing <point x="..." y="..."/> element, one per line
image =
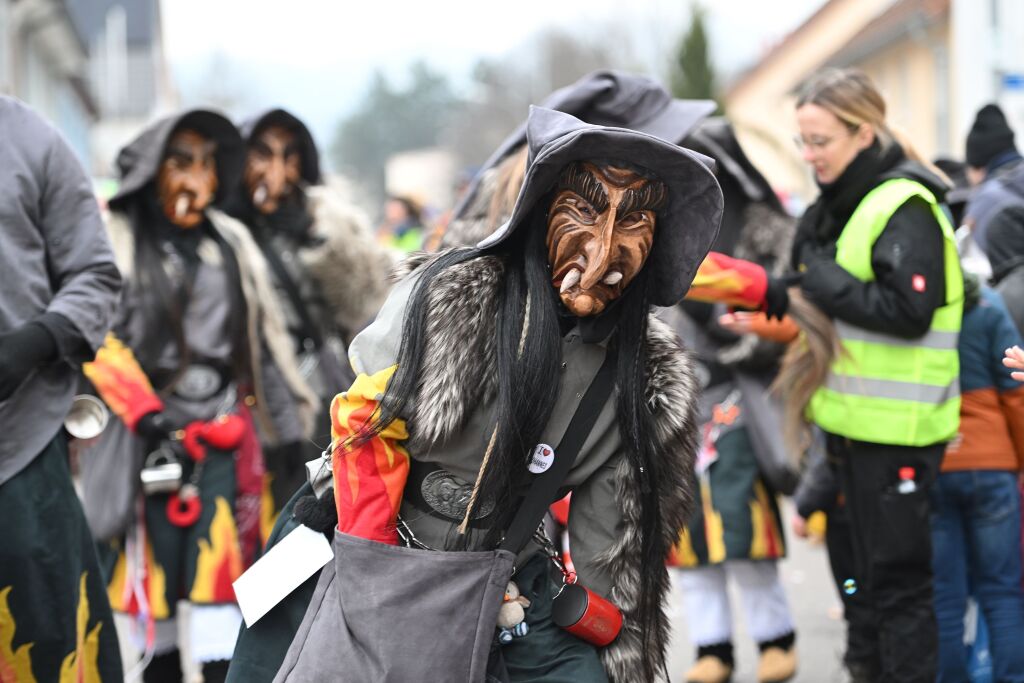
<point x="273" y="168"/>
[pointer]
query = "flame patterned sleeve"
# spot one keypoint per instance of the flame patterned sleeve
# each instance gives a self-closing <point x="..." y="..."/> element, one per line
<point x="732" y="281"/>
<point x="369" y="478"/>
<point x="121" y="382"/>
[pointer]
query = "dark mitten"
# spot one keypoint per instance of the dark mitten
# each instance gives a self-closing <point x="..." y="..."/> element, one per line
<point x="776" y="297"/>
<point x="21" y="352"/>
<point x="153" y="428"/>
<point x="319" y="514"/>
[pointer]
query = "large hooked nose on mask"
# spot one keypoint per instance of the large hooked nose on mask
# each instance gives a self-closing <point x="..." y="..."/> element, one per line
<point x="600" y="231"/>
<point x="187" y="178"/>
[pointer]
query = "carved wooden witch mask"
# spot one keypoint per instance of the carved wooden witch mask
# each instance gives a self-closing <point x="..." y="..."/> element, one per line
<point x="600" y="230"/>
<point x="186" y="181"/>
<point x="273" y="167"/>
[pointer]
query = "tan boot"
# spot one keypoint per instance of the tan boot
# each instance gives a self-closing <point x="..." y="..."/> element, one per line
<point x="776" y="665"/>
<point x="709" y="669"/>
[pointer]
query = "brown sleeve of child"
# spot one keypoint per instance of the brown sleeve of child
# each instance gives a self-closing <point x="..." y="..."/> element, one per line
<point x="1012" y="404"/>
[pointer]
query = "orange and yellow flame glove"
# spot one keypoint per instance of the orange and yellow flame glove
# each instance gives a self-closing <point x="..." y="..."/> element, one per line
<point x="121" y="383"/>
<point x="369" y="478"/>
<point x="728" y="280"/>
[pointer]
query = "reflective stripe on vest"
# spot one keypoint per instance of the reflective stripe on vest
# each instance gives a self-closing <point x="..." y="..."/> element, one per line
<point x="886" y="389"/>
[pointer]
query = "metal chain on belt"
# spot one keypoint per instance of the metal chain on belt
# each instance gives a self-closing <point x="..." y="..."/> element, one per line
<point x="408" y="537"/>
<point x="541" y="537"/>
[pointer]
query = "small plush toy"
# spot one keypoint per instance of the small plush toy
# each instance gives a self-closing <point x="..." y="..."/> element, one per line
<point x="512" y="614"/>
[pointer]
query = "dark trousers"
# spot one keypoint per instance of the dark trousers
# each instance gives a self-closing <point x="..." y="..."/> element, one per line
<point x="861" y="644"/>
<point x="890" y="538"/>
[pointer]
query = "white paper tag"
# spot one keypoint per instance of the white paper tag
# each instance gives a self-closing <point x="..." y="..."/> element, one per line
<point x="543" y="457"/>
<point x="274" y="576"/>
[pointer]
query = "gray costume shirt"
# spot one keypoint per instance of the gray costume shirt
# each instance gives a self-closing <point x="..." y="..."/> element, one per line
<point x="594" y="519"/>
<point x="54" y="258"/>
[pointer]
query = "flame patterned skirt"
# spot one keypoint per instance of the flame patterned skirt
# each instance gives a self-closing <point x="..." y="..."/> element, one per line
<point x="55" y="622"/>
<point x="738" y="515"/>
<point x="197" y="563"/>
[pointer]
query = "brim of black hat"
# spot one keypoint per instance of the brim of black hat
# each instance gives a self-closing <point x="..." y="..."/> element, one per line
<point x="677" y="120"/>
<point x="686" y="227"/>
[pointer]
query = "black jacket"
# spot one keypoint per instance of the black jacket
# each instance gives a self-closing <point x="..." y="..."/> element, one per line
<point x="907" y="259"/>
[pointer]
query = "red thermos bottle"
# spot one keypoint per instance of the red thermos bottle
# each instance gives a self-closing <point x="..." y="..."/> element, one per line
<point x="586" y="615"/>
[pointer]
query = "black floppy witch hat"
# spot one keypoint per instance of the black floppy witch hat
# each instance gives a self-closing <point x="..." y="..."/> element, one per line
<point x="609" y="98"/>
<point x="687" y="225"/>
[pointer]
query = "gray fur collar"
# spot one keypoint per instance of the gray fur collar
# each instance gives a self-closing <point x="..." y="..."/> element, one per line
<point x="461" y="309"/>
<point x="766" y="237"/>
<point x="349" y="264"/>
<point x="473" y="225"/>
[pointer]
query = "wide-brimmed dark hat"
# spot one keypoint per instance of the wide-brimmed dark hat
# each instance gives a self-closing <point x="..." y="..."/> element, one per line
<point x="139" y="161"/>
<point x="609" y="98"/>
<point x="685" y="228"/>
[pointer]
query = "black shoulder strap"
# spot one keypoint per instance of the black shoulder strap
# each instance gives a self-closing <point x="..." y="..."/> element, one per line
<point x="544" y="488"/>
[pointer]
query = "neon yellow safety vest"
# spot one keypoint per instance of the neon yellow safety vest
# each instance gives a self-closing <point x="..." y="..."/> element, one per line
<point x="885" y="389"/>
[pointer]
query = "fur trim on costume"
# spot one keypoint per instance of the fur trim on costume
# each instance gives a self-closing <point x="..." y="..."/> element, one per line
<point x="766" y="237"/>
<point x="672" y="390"/>
<point x="266" y="323"/>
<point x="461" y="309"/>
<point x="473" y="225"/>
<point x="350" y="266"/>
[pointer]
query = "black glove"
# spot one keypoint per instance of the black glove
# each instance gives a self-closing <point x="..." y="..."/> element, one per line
<point x="154" y="429"/>
<point x="21" y="352"/>
<point x="776" y="297"/>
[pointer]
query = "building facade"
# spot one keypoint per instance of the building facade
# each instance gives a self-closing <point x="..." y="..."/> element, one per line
<point x="935" y="61"/>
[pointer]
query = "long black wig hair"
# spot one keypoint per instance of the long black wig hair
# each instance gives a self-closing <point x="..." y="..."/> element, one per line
<point x="525" y="363"/>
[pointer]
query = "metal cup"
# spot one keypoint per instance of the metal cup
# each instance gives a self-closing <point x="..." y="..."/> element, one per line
<point x="87" y="418"/>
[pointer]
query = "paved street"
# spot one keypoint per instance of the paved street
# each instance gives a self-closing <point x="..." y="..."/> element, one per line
<point x="820" y="629"/>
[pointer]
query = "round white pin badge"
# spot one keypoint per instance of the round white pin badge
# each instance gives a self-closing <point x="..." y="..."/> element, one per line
<point x="542" y="459"/>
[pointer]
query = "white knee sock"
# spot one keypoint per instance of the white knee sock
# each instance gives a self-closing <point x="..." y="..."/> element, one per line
<point x="708" y="617"/>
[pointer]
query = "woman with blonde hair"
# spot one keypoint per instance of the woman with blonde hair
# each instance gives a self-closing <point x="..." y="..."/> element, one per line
<point x="877" y="257"/>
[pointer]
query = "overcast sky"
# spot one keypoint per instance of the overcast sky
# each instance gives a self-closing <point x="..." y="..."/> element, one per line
<point x="316" y="57"/>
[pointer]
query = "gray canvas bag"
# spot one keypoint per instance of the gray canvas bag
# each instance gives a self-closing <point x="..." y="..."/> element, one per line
<point x="764" y="417"/>
<point x="391" y="614"/>
<point x="109" y="481"/>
